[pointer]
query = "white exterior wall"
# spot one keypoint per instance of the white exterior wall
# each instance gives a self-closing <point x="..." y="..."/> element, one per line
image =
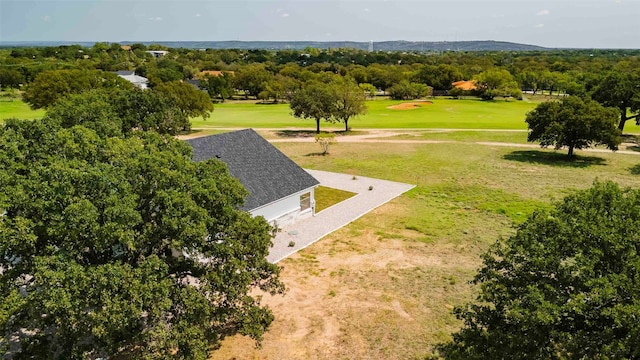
<point x="286" y="210"/>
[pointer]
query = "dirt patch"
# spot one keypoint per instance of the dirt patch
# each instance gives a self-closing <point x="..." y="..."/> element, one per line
<point x="362" y="293"/>
<point x="409" y="105"/>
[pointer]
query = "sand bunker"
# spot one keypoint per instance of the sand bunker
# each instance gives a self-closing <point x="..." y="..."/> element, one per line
<point x="409" y="105"/>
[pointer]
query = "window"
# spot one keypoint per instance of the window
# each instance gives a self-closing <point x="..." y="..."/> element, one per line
<point x="305" y="201"/>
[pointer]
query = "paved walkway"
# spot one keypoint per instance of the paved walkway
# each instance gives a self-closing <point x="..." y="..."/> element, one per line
<point x="307" y="231"/>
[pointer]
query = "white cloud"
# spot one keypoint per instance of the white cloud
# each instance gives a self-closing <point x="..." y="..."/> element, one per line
<point x="157" y="18"/>
<point x="365" y="10"/>
<point x="197" y="15"/>
<point x="285" y="15"/>
<point x="539" y="26"/>
<point x="543" y="12"/>
<point x="46" y="18"/>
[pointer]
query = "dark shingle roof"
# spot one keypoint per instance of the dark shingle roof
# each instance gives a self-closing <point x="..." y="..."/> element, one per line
<point x="267" y="173"/>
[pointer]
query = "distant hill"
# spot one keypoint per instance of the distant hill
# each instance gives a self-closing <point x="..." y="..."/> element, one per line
<point x="398" y="45"/>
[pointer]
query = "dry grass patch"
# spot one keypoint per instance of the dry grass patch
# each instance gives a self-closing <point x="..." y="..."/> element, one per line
<point x="374" y="289"/>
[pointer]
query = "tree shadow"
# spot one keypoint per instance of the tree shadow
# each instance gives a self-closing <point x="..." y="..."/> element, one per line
<point x="312" y="133"/>
<point x="553" y="159"/>
<point x="296" y="133"/>
<point x="633" y="139"/>
<point x="635" y="170"/>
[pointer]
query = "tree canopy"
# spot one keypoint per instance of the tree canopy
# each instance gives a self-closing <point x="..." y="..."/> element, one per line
<point x="49" y="86"/>
<point x="191" y="101"/>
<point x="621" y="90"/>
<point x="314" y="101"/>
<point x="338" y="100"/>
<point x="574" y="123"/>
<point x="123" y="246"/>
<point x="119" y="112"/>
<point x="350" y="101"/>
<point x="565" y="286"/>
<point x="497" y="82"/>
<point x="404" y="90"/>
<point x="218" y="86"/>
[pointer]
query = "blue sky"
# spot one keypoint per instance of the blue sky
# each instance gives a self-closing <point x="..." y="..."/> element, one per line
<point x="559" y="23"/>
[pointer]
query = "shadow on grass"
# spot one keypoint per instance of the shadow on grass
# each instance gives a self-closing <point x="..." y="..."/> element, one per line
<point x="201" y="132"/>
<point x="635" y="170"/>
<point x="317" y="154"/>
<point x="312" y="133"/>
<point x="553" y="159"/>
<point x="296" y="133"/>
<point x="633" y="139"/>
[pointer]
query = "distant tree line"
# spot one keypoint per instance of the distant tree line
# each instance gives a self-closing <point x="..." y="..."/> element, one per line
<point x="610" y="77"/>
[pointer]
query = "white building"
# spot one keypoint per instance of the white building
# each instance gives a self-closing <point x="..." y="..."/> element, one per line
<point x="137" y="81"/>
<point x="157" y="53"/>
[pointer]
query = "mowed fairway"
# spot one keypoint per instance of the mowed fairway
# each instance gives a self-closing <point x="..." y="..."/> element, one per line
<point x="384" y="286"/>
<point x="442" y="113"/>
<point x="18" y="109"/>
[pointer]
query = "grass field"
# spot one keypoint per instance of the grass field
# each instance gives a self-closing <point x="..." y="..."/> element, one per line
<point x="15" y="108"/>
<point x="326" y="197"/>
<point x="384" y="286"/>
<point x="443" y="113"/>
<point x="466" y="136"/>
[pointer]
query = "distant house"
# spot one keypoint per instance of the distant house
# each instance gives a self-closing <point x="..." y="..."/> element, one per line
<point x="194" y="83"/>
<point x="205" y="73"/>
<point x="279" y="189"/>
<point x="157" y="53"/>
<point x="465" y="85"/>
<point x="137" y="81"/>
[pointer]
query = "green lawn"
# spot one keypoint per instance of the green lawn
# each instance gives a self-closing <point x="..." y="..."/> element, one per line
<point x="443" y="113"/>
<point x="508" y="181"/>
<point x="465" y="136"/>
<point x="326" y="197"/>
<point x="15" y="108"/>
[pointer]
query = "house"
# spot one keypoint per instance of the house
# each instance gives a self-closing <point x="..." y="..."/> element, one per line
<point x="465" y="85"/>
<point x="194" y="83"/>
<point x="279" y="190"/>
<point x="214" y="73"/>
<point x="136" y="80"/>
<point x="157" y="53"/>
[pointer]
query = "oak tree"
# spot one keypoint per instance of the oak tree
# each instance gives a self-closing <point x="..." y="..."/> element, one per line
<point x="49" y="86"/>
<point x="123" y="246"/>
<point x="350" y="101"/>
<point x="621" y="90"/>
<point x="565" y="286"/>
<point x="497" y="82"/>
<point x="574" y="123"/>
<point x="315" y="100"/>
<point x="191" y="101"/>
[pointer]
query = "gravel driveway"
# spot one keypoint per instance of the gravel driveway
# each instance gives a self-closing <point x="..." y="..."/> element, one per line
<point x="307" y="231"/>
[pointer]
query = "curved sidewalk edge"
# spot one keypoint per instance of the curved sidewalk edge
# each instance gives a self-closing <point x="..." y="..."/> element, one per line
<point x="307" y="231"/>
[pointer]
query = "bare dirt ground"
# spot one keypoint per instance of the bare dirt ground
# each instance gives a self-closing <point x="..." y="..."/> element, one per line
<point x="409" y="105"/>
<point x="362" y="294"/>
